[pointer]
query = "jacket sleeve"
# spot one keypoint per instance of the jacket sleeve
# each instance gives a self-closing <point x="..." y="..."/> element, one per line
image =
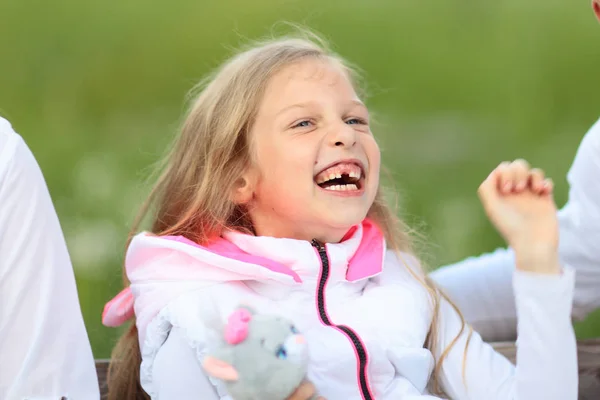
<point x="546" y="353"/>
<point x="178" y="373"/>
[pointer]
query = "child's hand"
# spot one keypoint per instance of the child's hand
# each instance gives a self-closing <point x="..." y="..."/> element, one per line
<point x="306" y="391"/>
<point x="518" y="201"/>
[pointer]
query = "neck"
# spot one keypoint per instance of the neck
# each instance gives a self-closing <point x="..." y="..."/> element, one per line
<point x="323" y="234"/>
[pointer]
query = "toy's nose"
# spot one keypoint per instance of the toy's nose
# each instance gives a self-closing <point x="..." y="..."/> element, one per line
<point x="300" y="339"/>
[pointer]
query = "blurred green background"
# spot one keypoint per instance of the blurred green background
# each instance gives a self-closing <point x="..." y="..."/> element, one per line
<point x="97" y="88"/>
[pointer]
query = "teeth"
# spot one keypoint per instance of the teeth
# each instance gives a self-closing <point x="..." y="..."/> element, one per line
<point x="336" y="172"/>
<point x="342" y="188"/>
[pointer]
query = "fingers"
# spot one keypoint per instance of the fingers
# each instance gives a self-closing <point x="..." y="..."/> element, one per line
<point x="305" y="391"/>
<point x="513" y="176"/>
<point x="536" y="180"/>
<point x="488" y="191"/>
<point x="538" y="183"/>
<point x="548" y="186"/>
<point x="518" y="176"/>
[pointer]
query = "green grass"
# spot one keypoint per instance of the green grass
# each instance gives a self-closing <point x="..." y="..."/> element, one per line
<point x="97" y="88"/>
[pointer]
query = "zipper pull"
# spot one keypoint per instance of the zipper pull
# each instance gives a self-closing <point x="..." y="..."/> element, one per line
<point x="317" y="244"/>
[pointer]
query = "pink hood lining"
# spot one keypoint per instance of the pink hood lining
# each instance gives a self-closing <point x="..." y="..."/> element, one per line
<point x="225" y="248"/>
<point x="149" y="256"/>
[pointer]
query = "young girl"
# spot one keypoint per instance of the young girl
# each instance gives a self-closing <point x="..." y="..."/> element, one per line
<point x="271" y="197"/>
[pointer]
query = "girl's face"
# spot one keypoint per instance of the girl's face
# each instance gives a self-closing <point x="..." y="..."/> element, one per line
<point x="316" y="162"/>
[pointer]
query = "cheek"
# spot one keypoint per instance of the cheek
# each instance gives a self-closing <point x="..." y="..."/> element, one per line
<point x="284" y="168"/>
<point x="284" y="155"/>
<point x="373" y="154"/>
<point x="293" y="159"/>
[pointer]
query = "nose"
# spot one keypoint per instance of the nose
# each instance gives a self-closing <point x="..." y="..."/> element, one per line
<point x="300" y="339"/>
<point x="343" y="136"/>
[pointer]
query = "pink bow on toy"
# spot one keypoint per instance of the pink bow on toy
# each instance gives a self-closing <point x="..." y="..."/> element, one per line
<point x="237" y="326"/>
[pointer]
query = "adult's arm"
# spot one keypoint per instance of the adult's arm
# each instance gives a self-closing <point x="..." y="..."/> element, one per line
<point x="44" y="347"/>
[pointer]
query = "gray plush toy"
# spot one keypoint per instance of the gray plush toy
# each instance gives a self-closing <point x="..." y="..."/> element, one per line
<point x="263" y="357"/>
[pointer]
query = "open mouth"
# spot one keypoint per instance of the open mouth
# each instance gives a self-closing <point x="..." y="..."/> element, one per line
<point x="343" y="176"/>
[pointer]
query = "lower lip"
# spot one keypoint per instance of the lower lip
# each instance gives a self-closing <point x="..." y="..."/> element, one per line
<point x="344" y="193"/>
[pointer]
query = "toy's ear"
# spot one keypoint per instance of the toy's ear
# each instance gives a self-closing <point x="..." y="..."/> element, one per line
<point x="219" y="369"/>
<point x="248" y="308"/>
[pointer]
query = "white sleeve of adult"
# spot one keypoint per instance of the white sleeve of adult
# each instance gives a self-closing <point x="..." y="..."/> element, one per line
<point x="177" y="374"/>
<point x="481" y="287"/>
<point x="44" y="347"/>
<point x="579" y="222"/>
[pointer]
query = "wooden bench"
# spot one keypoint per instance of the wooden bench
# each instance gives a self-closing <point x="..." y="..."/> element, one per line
<point x="588" y="357"/>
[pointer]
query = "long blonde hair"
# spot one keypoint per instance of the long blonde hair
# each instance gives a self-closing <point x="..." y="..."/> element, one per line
<point x="208" y="156"/>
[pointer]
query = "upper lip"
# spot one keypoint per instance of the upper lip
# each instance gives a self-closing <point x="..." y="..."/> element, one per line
<point x="346" y="161"/>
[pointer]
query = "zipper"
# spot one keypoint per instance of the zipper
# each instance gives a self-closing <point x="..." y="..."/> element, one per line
<point x="360" y="349"/>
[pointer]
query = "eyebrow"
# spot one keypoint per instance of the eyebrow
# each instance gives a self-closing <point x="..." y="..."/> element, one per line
<point x="312" y="103"/>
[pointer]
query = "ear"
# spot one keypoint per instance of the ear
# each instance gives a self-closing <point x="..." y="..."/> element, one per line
<point x="247" y="307"/>
<point x="243" y="189"/>
<point x="219" y="369"/>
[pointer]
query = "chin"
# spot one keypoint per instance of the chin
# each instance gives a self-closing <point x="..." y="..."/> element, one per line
<point x="344" y="221"/>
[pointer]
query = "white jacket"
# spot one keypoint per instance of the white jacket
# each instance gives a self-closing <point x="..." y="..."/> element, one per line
<point x="364" y="315"/>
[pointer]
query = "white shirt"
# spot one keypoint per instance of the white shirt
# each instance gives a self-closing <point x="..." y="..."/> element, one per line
<point x="481" y="286"/>
<point x="44" y="348"/>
